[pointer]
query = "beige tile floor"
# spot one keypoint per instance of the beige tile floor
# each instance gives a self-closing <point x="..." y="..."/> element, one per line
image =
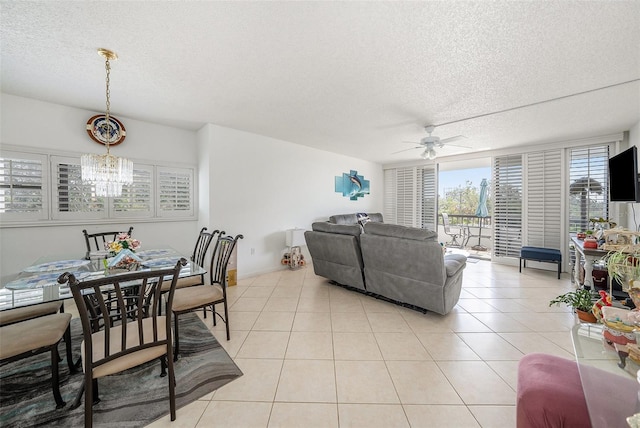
<point x="316" y="355"/>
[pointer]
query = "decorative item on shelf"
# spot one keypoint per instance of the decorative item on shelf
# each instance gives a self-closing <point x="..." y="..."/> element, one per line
<point x="106" y="172"/>
<point x="581" y="235"/>
<point x="624" y="266"/>
<point x="294" y="239"/>
<point x="620" y="239"/>
<point x="581" y="302"/>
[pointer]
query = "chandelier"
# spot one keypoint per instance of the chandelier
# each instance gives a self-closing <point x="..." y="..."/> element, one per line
<point x="107" y="173"/>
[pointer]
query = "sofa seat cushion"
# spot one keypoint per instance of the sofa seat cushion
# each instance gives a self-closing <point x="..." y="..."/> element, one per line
<point x="397" y="231"/>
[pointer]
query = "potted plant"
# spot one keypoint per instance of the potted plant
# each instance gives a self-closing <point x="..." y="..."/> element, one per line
<point x="624" y="266"/>
<point x="581" y="302"/>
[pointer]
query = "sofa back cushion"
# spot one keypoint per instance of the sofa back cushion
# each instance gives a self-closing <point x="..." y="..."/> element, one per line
<point x="341" y="229"/>
<point x="353" y="218"/>
<point x="397" y="231"/>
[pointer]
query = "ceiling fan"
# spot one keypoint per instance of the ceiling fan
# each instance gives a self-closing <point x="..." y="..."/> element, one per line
<point x="430" y="142"/>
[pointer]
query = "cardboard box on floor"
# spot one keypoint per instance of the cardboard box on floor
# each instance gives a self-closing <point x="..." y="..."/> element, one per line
<point x="232" y="268"/>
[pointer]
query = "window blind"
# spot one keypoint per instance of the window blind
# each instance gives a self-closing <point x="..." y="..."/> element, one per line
<point x="588" y="186"/>
<point x="507" y="192"/>
<point x="22" y="186"/>
<point x="390" y="190"/>
<point x="411" y="197"/>
<point x="543" y="199"/>
<point x="137" y="198"/>
<point x="175" y="191"/>
<point x="429" y="198"/>
<point x="74" y="198"/>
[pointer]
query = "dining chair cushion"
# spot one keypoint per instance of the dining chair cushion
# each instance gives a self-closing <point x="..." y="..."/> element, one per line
<point x="193" y="297"/>
<point x="135" y="358"/>
<point x="32" y="334"/>
<point x="183" y="282"/>
<point x="27" y="312"/>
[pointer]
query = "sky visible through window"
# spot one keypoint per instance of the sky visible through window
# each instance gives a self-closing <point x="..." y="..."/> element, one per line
<point x="451" y="179"/>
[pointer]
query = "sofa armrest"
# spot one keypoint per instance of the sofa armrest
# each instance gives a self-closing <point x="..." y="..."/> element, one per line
<point x="454" y="263"/>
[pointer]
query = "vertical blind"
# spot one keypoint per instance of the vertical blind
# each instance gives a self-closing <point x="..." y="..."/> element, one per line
<point x="136" y="198"/>
<point x="507" y="196"/>
<point x="175" y="188"/>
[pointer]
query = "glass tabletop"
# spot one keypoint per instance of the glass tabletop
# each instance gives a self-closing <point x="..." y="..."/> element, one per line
<point x="38" y="282"/>
<point x="608" y="376"/>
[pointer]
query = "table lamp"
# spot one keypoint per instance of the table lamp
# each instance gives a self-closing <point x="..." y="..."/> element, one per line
<point x="295" y="239"/>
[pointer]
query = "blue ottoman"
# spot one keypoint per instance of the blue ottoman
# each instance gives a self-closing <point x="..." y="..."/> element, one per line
<point x="538" y="254"/>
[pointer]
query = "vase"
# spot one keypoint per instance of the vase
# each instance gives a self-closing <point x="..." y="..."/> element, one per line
<point x="586" y="316"/>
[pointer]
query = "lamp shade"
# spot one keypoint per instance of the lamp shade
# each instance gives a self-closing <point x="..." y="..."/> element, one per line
<point x="295" y="238"/>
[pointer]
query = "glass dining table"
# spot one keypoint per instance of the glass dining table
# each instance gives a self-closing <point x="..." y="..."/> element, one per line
<point x="38" y="283"/>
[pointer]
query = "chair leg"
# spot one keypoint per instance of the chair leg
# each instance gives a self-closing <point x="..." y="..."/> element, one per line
<point x="163" y="366"/>
<point x="55" y="378"/>
<point x="176" y="349"/>
<point x="67" y="341"/>
<point x="226" y="318"/>
<point x="213" y="314"/>
<point x="88" y="401"/>
<point x="172" y="384"/>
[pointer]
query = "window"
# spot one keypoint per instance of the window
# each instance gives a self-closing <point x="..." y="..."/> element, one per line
<point x="22" y="186"/>
<point x="175" y="192"/>
<point x="507" y="220"/>
<point x="588" y="186"/>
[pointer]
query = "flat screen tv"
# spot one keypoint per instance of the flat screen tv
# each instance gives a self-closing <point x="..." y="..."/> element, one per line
<point x="623" y="176"/>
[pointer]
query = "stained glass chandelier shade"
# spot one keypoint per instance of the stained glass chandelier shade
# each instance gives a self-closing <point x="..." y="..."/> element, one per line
<point x="107" y="173"/>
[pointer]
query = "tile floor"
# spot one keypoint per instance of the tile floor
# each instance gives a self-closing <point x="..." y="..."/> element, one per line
<point x="316" y="355"/>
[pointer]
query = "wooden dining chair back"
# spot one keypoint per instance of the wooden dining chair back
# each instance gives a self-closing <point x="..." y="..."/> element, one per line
<point x="97" y="241"/>
<point x="199" y="257"/>
<point x="137" y="335"/>
<point x="32" y="336"/>
<point x="207" y="296"/>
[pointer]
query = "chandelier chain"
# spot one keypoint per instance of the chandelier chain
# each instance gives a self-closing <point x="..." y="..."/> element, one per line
<point x="107" y="66"/>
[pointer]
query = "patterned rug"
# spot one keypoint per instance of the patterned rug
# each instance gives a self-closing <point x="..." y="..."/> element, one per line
<point x="133" y="398"/>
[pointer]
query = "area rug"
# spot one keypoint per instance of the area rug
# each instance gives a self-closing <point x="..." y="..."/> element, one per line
<point x="133" y="398"/>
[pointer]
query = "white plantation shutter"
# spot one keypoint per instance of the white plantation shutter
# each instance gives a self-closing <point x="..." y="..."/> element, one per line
<point x="588" y="170"/>
<point x="429" y="199"/>
<point x="73" y="199"/>
<point x="137" y="198"/>
<point x="390" y="190"/>
<point x="507" y="199"/>
<point x="23" y="186"/>
<point x="410" y="197"/>
<point x="175" y="192"/>
<point x="543" y="199"/>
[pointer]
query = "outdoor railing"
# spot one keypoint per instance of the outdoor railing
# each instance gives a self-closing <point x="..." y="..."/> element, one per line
<point x="467" y="220"/>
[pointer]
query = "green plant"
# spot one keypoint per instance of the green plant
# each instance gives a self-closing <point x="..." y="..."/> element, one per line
<point x="623" y="266"/>
<point x="578" y="299"/>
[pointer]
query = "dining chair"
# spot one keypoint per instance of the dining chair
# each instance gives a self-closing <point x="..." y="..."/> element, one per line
<point x="33" y="336"/>
<point x="207" y="296"/>
<point x="457" y="231"/>
<point x="100" y="239"/>
<point x="126" y="341"/>
<point x="199" y="257"/>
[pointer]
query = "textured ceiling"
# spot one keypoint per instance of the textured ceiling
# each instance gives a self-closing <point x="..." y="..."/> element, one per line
<point x="357" y="78"/>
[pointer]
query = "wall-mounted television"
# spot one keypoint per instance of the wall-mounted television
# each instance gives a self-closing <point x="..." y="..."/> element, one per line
<point x="623" y="176"/>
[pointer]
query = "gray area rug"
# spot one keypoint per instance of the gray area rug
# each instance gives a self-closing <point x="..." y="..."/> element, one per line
<point x="133" y="398"/>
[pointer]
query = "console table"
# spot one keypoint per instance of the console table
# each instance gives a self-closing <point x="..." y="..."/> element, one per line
<point x="589" y="255"/>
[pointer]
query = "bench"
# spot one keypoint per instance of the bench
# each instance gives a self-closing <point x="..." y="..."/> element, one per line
<point x="538" y="254"/>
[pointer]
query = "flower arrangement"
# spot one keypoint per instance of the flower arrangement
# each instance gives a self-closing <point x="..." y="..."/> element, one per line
<point x="122" y="242"/>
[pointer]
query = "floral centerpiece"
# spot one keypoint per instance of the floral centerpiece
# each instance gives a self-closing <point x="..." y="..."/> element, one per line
<point x="122" y="242"/>
<point x="122" y="250"/>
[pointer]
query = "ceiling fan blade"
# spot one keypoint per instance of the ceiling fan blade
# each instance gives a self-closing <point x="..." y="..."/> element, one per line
<point x="458" y="145"/>
<point x="451" y="139"/>
<point x="404" y="150"/>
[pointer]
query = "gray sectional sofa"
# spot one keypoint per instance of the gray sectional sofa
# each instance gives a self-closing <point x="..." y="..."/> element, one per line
<point x="402" y="264"/>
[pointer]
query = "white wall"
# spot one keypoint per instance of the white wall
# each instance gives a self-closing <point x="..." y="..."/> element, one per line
<point x="634" y="140"/>
<point x="260" y="186"/>
<point x="248" y="184"/>
<point x="30" y="123"/>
